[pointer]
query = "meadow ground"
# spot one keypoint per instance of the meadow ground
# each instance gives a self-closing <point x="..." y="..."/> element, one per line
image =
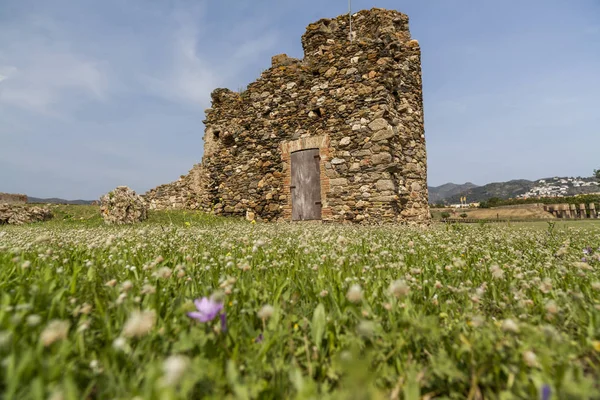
<point x="308" y="311"/>
<point x="503" y="213"/>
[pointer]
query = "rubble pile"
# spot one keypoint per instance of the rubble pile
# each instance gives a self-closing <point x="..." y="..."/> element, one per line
<point x="123" y="206"/>
<point x="13" y="214"/>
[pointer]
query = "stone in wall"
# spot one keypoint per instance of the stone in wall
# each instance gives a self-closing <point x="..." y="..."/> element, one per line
<point x="359" y="103"/>
<point x="123" y="206"/>
<point x="16" y="214"/>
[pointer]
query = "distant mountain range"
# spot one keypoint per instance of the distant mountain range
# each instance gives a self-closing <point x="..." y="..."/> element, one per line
<point x="503" y="190"/>
<point x="451" y="193"/>
<point x="55" y="200"/>
<point x="439" y="193"/>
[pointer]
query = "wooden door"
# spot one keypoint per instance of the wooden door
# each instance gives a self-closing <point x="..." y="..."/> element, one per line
<point x="306" y="185"/>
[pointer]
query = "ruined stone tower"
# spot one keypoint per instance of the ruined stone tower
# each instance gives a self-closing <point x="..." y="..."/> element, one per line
<point x="336" y="136"/>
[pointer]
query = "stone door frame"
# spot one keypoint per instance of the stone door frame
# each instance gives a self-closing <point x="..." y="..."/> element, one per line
<point x="312" y="142"/>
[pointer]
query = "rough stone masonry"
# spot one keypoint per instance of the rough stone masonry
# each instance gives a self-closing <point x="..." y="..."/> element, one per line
<point x="359" y="103"/>
<point x="8" y="198"/>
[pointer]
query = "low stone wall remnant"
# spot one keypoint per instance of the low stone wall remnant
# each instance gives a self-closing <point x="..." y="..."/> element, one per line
<point x="8" y="198"/>
<point x="572" y="211"/>
<point x="16" y="214"/>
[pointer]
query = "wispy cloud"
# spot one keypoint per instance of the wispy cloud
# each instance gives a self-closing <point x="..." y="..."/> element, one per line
<point x="41" y="72"/>
<point x="197" y="65"/>
<point x="189" y="76"/>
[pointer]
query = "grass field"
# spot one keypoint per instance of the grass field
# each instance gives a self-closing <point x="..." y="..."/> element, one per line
<point x="494" y="311"/>
<point x="504" y="213"/>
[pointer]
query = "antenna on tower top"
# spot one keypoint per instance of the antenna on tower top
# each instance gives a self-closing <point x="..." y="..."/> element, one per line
<point x="350" y="18"/>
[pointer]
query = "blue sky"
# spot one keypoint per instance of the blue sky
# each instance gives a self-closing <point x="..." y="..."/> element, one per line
<point x="95" y="94"/>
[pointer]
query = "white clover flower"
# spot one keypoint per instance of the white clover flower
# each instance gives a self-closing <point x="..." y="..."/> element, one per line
<point x="25" y="306"/>
<point x="497" y="272"/>
<point x="26" y="264"/>
<point x="164" y="273"/>
<point x="33" y="320"/>
<point x="148" y="289"/>
<point x="139" y="324"/>
<point x="583" y="265"/>
<point x="42" y="239"/>
<point x="174" y="367"/>
<point x="121" y="298"/>
<point x="85" y="309"/>
<point x="546" y="285"/>
<point x="265" y="312"/>
<point x="509" y="325"/>
<point x="111" y="283"/>
<point x="323" y="293"/>
<point x="480" y="291"/>
<point x="55" y="330"/>
<point x="126" y="286"/>
<point x="120" y="344"/>
<point x="365" y="328"/>
<point x="399" y="288"/>
<point x="551" y="307"/>
<point x="83" y="326"/>
<point x="95" y="367"/>
<point x="530" y="358"/>
<point x="355" y="294"/>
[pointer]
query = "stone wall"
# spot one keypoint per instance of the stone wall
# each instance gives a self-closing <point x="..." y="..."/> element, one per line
<point x="12" y="198"/>
<point x="181" y="194"/>
<point x="19" y="214"/>
<point x="360" y="103"/>
<point x="581" y="211"/>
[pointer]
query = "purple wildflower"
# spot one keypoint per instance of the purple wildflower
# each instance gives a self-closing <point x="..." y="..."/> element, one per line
<point x="223" y="317"/>
<point x="259" y="339"/>
<point x="587" y="251"/>
<point x="207" y="308"/>
<point x="546" y="392"/>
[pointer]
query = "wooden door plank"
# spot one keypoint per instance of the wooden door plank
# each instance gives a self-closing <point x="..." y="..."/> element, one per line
<point x="306" y="185"/>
